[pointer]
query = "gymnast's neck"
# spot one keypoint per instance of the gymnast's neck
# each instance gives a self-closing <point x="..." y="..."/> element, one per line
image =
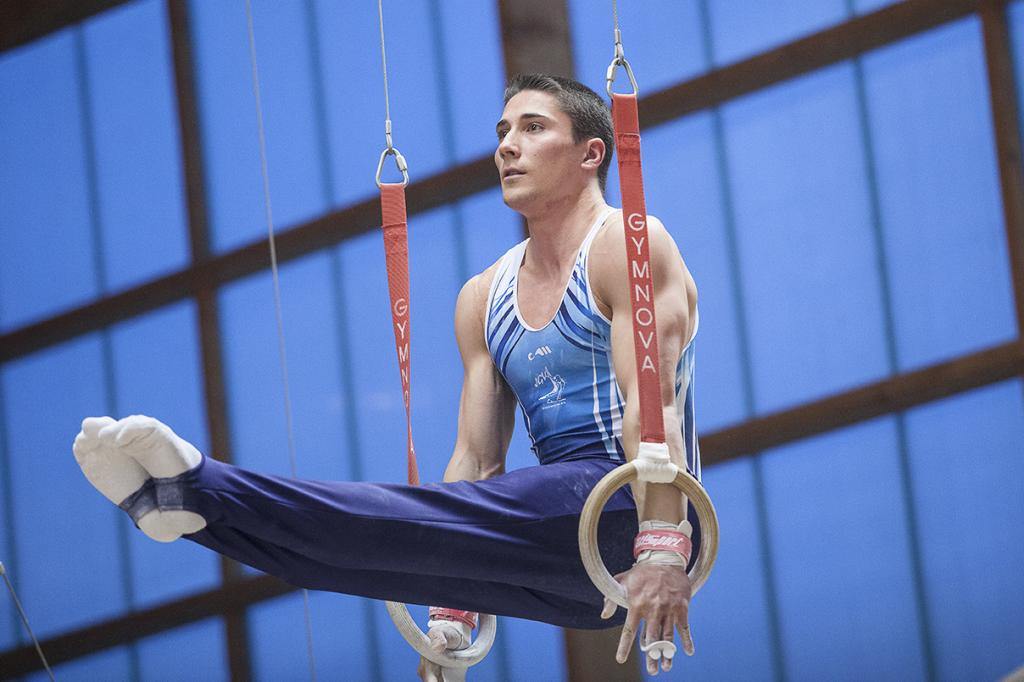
<point x="559" y="226"/>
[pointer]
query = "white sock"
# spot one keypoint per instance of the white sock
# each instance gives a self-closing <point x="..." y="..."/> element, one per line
<point x="113" y="473"/>
<point x="153" y="447"/>
<point x="153" y="444"/>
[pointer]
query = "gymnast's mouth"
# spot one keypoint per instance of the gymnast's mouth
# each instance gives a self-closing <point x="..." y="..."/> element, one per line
<point x="511" y="173"/>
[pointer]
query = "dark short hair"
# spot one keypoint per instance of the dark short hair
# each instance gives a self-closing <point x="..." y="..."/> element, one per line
<point x="587" y="111"/>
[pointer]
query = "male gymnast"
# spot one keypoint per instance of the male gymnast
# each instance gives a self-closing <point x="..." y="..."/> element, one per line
<point x="548" y="327"/>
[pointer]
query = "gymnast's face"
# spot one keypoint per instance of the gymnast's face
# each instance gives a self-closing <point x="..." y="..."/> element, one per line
<point x="537" y="159"/>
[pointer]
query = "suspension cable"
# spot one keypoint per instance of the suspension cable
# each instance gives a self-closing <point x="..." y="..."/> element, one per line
<point x="620" y="57"/>
<point x="390" y="149"/>
<point x="24" y="619"/>
<point x="269" y="214"/>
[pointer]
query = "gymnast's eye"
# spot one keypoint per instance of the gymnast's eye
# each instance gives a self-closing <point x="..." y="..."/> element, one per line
<point x="534" y="127"/>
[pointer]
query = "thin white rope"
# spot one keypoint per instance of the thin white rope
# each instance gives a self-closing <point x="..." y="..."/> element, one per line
<point x="24" y="619"/>
<point x="384" y="63"/>
<point x="268" y="210"/>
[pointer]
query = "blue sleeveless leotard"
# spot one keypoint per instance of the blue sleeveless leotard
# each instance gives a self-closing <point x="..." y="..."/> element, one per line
<point x="562" y="373"/>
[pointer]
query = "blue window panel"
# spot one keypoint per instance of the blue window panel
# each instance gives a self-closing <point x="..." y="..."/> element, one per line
<point x="228" y="116"/>
<point x="841" y="556"/>
<point x="663" y="41"/>
<point x="806" y="251"/>
<point x="688" y="199"/>
<point x="138" y="152"/>
<point x="436" y="369"/>
<point x="1015" y="12"/>
<point x="253" y="372"/>
<point x="11" y="630"/>
<point x="741" y="29"/>
<point x="400" y="659"/>
<point x="58" y="514"/>
<point x="112" y="664"/>
<point x="48" y="259"/>
<point x="157" y="372"/>
<point x="353" y="87"/>
<point x="867" y="6"/>
<point x="277" y="633"/>
<point x="939" y="192"/>
<point x="732" y="606"/>
<point x="968" y="476"/>
<point x="535" y="651"/>
<point x="193" y="652"/>
<point x="476" y="76"/>
<point x="354" y="93"/>
<point x="434" y="283"/>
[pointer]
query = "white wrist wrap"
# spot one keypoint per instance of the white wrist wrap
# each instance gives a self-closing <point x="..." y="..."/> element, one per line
<point x="653" y="464"/>
<point x="664" y="557"/>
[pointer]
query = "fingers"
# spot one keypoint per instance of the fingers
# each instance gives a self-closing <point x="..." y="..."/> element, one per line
<point x="628" y="633"/>
<point x="428" y="672"/>
<point x="609" y="608"/>
<point x="684" y="634"/>
<point x="438" y="641"/>
<point x="657" y="644"/>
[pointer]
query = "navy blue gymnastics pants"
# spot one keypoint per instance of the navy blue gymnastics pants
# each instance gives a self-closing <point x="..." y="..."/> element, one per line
<point x="506" y="545"/>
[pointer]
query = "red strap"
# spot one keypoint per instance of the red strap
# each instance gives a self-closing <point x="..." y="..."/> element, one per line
<point x="663" y="540"/>
<point x="467" y="617"/>
<point x="396" y="252"/>
<point x="641" y="284"/>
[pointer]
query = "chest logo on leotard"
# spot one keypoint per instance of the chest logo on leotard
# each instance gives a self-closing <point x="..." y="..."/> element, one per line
<point x="553" y="397"/>
<point x="539" y="353"/>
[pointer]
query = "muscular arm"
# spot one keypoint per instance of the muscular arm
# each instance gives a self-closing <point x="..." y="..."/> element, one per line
<point x="659" y="595"/>
<point x="487" y="406"/>
<point x="486" y="418"/>
<point x="674" y="301"/>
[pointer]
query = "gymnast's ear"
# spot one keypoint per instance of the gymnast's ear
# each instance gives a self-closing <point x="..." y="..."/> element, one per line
<point x="595" y="151"/>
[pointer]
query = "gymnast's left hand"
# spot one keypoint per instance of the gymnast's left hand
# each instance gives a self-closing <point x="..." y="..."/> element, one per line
<point x="658" y="595"/>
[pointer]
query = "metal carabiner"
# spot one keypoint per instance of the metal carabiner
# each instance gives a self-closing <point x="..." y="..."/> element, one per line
<point x="617" y="60"/>
<point x="399" y="161"/>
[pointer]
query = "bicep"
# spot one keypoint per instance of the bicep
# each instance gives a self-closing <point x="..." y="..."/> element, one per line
<point x="486" y="406"/>
<point x="672" y="299"/>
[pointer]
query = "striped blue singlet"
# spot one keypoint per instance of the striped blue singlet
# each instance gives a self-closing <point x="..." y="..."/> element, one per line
<point x="562" y="374"/>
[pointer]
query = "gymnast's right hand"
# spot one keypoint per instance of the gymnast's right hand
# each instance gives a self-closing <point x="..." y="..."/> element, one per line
<point x="443" y="635"/>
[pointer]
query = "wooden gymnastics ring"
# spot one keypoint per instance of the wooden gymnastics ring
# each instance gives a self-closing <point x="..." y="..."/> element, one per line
<point x="456" y="661"/>
<point x="599" y="496"/>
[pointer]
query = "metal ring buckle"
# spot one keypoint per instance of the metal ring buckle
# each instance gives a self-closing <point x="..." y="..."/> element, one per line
<point x="610" y="76"/>
<point x="399" y="161"/>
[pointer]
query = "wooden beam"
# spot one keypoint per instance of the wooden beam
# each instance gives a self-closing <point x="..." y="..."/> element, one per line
<point x="231" y="597"/>
<point x="883" y="397"/>
<point x="821" y="49"/>
<point x="843" y="41"/>
<point x="535" y="37"/>
<point x="590" y="657"/>
<point x="1002" y="87"/>
<point x="895" y="394"/>
<point x="236" y="628"/>
<point x="327" y="230"/>
<point x="22" y="21"/>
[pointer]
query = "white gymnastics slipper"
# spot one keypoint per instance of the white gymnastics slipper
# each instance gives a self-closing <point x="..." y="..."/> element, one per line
<point x="113" y="473"/>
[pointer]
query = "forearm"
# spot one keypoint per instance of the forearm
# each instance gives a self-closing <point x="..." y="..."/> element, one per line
<point x="469" y="467"/>
<point x="656" y="501"/>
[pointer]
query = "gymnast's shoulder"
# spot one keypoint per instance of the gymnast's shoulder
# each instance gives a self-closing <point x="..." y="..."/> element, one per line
<point x="472" y="300"/>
